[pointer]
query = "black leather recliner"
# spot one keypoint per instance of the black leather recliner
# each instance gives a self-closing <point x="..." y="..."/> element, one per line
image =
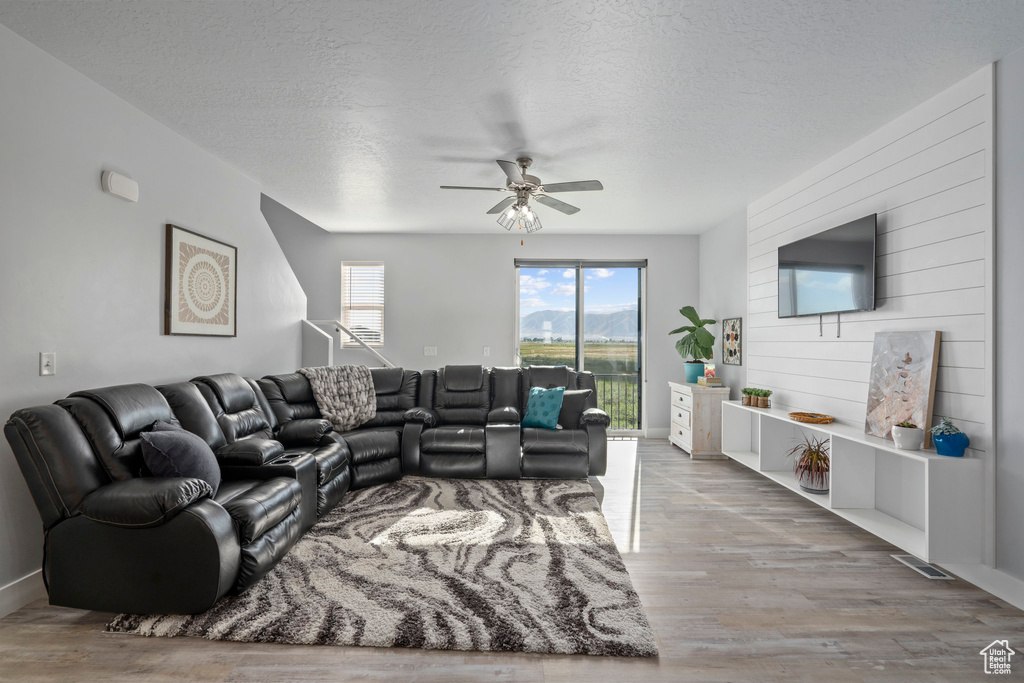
<point x="252" y="437"/>
<point x="375" y="447"/>
<point x="456" y="434"/>
<point x="119" y="540"/>
<point x="575" y="451"/>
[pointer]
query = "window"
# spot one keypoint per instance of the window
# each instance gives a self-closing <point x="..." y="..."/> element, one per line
<point x="362" y="302"/>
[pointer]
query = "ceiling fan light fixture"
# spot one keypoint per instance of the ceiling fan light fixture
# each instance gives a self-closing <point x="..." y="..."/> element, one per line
<point x="508" y="219"/>
<point x="531" y="221"/>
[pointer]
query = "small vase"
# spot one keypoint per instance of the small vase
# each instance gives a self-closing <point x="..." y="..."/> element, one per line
<point x="764" y="402"/>
<point x="694" y="371"/>
<point x="952" y="445"/>
<point x="746" y="400"/>
<point x="908" y="438"/>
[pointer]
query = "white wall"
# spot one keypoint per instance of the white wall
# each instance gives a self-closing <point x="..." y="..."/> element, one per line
<point x="457" y="292"/>
<point x="1009" y="361"/>
<point x="723" y="290"/>
<point x="81" y="272"/>
<point x="928" y="175"/>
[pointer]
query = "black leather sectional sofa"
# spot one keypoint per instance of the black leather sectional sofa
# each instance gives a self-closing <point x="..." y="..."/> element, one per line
<point x="119" y="539"/>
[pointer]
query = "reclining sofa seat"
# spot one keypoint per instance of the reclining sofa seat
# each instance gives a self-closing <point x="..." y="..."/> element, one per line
<point x="575" y="451"/>
<point x="458" y="434"/>
<point x="252" y="438"/>
<point x="117" y="539"/>
<point x="375" y="447"/>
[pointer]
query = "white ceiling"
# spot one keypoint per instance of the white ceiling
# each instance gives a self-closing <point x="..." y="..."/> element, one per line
<point x="352" y="113"/>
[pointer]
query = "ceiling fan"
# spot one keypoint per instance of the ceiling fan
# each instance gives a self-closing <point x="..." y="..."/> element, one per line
<point x="516" y="209"/>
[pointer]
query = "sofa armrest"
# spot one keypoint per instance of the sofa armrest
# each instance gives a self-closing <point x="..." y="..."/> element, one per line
<point x="250" y="452"/>
<point x="308" y="432"/>
<point x="423" y="416"/>
<point x="506" y="415"/>
<point x="594" y="416"/>
<point x="143" y="502"/>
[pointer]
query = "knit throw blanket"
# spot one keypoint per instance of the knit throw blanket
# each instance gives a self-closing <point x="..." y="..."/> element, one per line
<point x="344" y="394"/>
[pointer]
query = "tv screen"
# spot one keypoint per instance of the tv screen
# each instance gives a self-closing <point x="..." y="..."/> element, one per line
<point x="831" y="272"/>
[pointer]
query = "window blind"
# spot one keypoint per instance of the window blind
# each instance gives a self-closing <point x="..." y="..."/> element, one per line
<point x="362" y="302"/>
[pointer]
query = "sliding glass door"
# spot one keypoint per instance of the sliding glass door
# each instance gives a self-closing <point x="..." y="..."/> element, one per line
<point x="587" y="315"/>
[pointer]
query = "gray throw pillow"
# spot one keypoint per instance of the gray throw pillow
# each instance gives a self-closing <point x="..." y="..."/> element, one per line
<point x="177" y="453"/>
<point x="572" y="408"/>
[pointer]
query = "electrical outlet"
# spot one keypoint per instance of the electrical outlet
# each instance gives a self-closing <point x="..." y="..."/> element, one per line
<point x="487" y="350"/>
<point x="47" y="363"/>
<point x="429" y="350"/>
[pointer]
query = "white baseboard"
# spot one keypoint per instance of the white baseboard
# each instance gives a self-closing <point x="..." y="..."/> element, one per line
<point x="19" y="593"/>
<point x="996" y="582"/>
<point x="657" y="433"/>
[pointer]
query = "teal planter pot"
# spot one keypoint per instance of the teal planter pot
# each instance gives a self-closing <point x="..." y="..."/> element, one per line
<point x="694" y="371"/>
<point x="952" y="445"/>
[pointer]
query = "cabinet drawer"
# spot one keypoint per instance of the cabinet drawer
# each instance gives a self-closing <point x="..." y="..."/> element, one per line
<point x="682" y="400"/>
<point x="682" y="417"/>
<point x="681" y="436"/>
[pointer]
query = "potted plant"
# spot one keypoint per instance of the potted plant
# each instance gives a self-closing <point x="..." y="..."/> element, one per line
<point x="812" y="464"/>
<point x="696" y="344"/>
<point x="948" y="438"/>
<point x="762" y="398"/>
<point x="908" y="436"/>
<point x="746" y="395"/>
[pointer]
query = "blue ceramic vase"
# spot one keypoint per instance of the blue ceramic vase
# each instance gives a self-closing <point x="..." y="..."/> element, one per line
<point x="694" y="371"/>
<point x="952" y="445"/>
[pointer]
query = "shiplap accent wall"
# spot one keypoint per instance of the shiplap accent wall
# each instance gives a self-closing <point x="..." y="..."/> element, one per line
<point x="928" y="176"/>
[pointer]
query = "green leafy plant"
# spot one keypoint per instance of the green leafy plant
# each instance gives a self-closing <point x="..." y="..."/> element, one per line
<point x="766" y="392"/>
<point x="698" y="342"/>
<point x="945" y="426"/>
<point x="812" y="461"/>
<point x="908" y="425"/>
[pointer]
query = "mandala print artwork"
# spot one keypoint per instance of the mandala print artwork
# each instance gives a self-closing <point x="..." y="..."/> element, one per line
<point x="201" y="285"/>
<point x="732" y="341"/>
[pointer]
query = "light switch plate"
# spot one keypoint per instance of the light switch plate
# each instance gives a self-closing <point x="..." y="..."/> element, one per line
<point x="429" y="350"/>
<point x="47" y="363"/>
<point x="487" y="350"/>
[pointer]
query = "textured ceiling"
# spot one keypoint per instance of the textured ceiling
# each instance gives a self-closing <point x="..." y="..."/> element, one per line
<point x="352" y="113"/>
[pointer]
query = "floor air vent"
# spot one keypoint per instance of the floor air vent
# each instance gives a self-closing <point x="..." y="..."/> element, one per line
<point x="923" y="568"/>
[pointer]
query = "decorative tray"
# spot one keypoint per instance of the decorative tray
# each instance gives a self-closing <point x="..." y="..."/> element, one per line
<point x="812" y="418"/>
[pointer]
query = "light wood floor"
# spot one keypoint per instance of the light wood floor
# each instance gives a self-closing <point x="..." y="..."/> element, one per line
<point x="742" y="581"/>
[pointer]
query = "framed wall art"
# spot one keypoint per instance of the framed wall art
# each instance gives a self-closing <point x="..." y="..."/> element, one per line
<point x="201" y="291"/>
<point x="902" y="384"/>
<point x="732" y="341"/>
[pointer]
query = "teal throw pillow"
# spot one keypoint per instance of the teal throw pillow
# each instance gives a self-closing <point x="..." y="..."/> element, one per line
<point x="542" y="407"/>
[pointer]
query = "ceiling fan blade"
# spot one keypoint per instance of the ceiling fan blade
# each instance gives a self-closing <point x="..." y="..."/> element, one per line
<point x="576" y="186"/>
<point x="502" y="205"/>
<point x="462" y="187"/>
<point x="556" y="204"/>
<point x="512" y="171"/>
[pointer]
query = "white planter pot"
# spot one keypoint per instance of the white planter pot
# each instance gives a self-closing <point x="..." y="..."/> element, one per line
<point x="908" y="438"/>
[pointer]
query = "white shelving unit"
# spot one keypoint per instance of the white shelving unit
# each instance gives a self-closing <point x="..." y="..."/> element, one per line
<point x="927" y="504"/>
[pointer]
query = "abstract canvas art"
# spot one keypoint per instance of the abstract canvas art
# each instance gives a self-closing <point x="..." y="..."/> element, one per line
<point x="200" y="285"/>
<point x="732" y="341"/>
<point x="902" y="384"/>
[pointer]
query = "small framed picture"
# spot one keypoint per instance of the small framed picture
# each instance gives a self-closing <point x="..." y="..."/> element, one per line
<point x="732" y="341"/>
<point x="201" y="285"/>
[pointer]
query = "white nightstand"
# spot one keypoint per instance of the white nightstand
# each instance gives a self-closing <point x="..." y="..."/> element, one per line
<point x="696" y="424"/>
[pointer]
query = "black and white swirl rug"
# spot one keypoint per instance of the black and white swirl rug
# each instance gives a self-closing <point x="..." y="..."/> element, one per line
<point x="441" y="564"/>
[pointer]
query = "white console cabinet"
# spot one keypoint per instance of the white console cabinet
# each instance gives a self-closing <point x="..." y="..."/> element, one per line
<point x="697" y="418"/>
<point x="930" y="505"/>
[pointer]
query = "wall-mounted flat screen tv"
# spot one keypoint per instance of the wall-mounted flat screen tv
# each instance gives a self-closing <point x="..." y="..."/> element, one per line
<point x="831" y="272"/>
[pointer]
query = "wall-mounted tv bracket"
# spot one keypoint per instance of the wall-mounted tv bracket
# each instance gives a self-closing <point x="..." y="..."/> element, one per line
<point x="821" y="318"/>
<point x="820" y="329"/>
<point x="837" y="324"/>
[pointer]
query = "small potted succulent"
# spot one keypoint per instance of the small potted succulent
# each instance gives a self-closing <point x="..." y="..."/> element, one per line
<point x="949" y="440"/>
<point x="763" y="398"/>
<point x="746" y="395"/>
<point x="812" y="464"/>
<point x="908" y="436"/>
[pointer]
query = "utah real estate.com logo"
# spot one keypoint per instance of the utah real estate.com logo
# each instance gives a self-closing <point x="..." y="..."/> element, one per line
<point x="997" y="657"/>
